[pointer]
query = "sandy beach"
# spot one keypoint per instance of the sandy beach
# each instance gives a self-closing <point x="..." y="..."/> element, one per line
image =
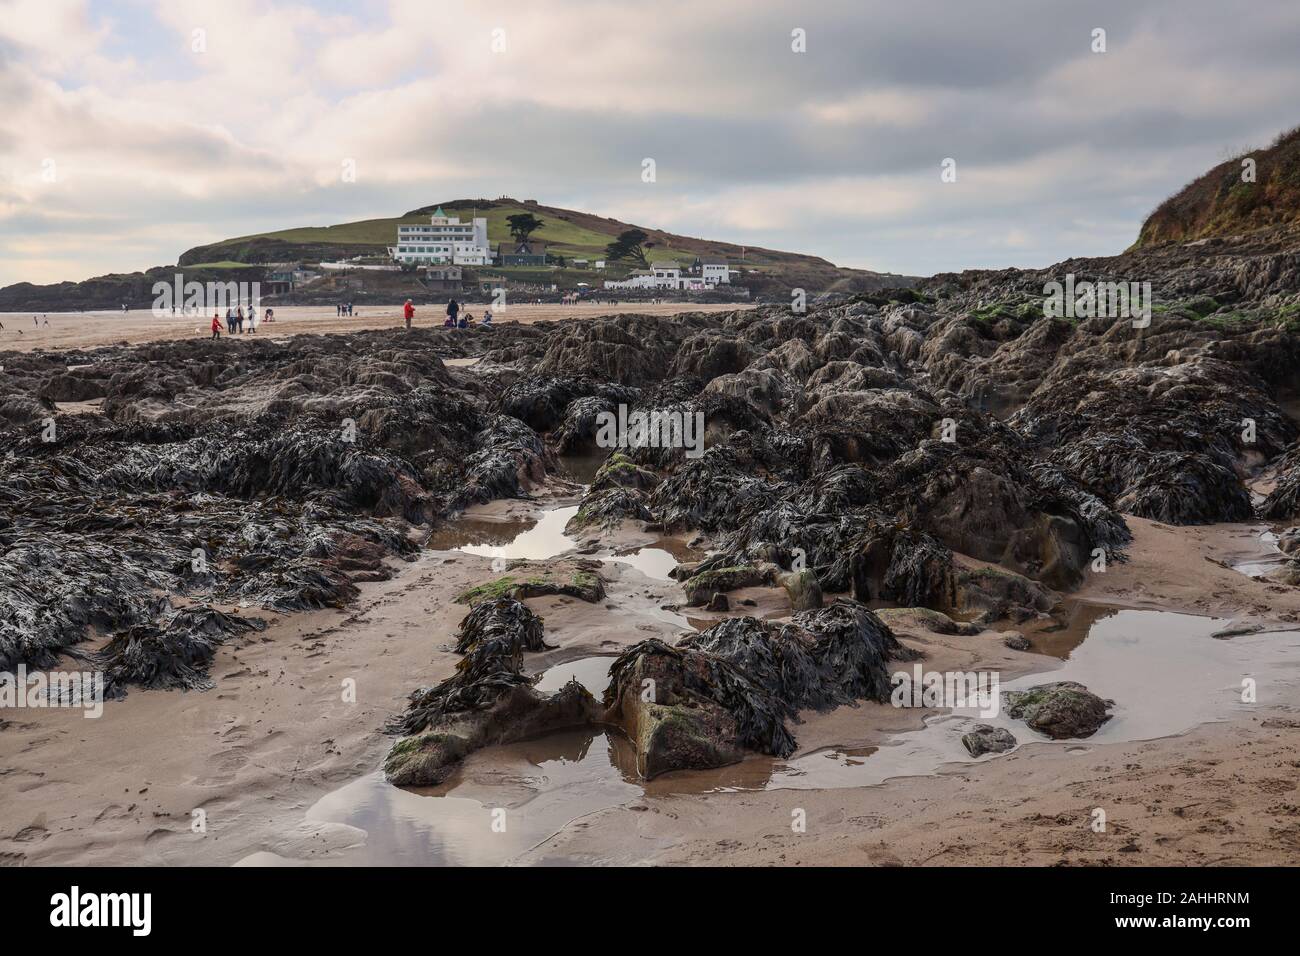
<point x="281" y="769"/>
<point x="85" y="330"/>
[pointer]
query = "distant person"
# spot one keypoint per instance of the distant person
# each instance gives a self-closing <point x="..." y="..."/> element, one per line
<point x="216" y="326"/>
<point x="239" y="320"/>
<point x="487" y="318"/>
<point x="453" y="309"/>
<point x="270" y="315"/>
<point x="466" y="321"/>
<point x="338" y="310"/>
<point x="252" y="320"/>
<point x="408" y="312"/>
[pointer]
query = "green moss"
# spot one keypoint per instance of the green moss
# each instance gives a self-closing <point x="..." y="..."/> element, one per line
<point x="501" y="587"/>
<point x="717" y="575"/>
<point x="1024" y="311"/>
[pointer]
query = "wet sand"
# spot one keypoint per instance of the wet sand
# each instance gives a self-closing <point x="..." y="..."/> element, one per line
<point x="284" y="768"/>
<point x="72" y="330"/>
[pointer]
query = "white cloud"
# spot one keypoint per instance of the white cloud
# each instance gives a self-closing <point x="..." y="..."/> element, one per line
<point x="833" y="152"/>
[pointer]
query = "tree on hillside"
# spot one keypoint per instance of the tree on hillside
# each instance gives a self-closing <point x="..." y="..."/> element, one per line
<point x="523" y="225"/>
<point x="630" y="244"/>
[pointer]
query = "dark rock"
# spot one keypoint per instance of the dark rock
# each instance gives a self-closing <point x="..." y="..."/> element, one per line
<point x="804" y="591"/>
<point x="987" y="739"/>
<point x="1016" y="641"/>
<point x="1060" y="710"/>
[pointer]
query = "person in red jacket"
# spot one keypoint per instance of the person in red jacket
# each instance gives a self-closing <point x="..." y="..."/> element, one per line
<point x="408" y="311"/>
<point x="216" y="326"/>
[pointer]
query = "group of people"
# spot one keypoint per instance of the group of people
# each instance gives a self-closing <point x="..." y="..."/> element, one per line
<point x="34" y="323"/>
<point x="235" y="321"/>
<point x="344" y="309"/>
<point x="455" y="318"/>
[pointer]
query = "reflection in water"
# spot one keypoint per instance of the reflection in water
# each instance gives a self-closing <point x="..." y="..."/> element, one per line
<point x="543" y="538"/>
<point x="537" y="539"/>
<point x="1270" y="559"/>
<point x="591" y="672"/>
<point x="534" y="788"/>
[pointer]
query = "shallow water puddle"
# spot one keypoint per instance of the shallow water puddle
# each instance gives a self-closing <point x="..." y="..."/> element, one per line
<point x="535" y="541"/>
<point x="1164" y="671"/>
<point x="1270" y="559"/>
<point x="544" y="537"/>
<point x="493" y="812"/>
<point x="591" y="672"/>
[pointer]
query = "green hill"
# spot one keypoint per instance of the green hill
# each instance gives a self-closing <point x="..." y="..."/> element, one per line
<point x="567" y="232"/>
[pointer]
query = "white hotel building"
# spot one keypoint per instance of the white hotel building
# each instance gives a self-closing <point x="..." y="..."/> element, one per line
<point x="445" y="240"/>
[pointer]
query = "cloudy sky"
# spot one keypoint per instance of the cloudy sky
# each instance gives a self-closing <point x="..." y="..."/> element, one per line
<point x="133" y="129"/>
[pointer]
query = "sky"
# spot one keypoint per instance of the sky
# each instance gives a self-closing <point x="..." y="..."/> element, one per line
<point x="135" y="129"/>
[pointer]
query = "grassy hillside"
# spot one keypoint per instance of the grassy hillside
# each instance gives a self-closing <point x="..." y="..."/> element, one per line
<point x="1219" y="203"/>
<point x="567" y="232"/>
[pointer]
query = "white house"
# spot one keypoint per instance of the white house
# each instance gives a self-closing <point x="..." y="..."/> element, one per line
<point x="668" y="275"/>
<point x="445" y="239"/>
<point x="715" y="272"/>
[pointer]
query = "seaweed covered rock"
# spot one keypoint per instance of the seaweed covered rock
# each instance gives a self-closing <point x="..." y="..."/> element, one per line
<point x="429" y="756"/>
<point x="1063" y="709"/>
<point x="609" y="509"/>
<point x="1169" y="440"/>
<point x="924" y="619"/>
<point x="627" y="349"/>
<point x="686" y="709"/>
<point x="994" y="593"/>
<point x="732" y="688"/>
<point x="620" y="471"/>
<point x="511" y="459"/>
<point x="508" y="625"/>
<point x="489" y="700"/>
<point x="804" y="590"/>
<point x="825" y="658"/>
<point x="173" y="654"/>
<point x="1283" y="502"/>
<point x="714" y="576"/>
<point x="987" y="739"/>
<point x="584" y="583"/>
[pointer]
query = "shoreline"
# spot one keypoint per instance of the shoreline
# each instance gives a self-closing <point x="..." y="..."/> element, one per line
<point x="74" y="331"/>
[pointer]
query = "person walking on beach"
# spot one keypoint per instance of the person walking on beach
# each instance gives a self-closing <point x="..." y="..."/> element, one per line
<point x="239" y="320"/>
<point x="453" y="309"/>
<point x="408" y="312"/>
<point x="216" y="326"/>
